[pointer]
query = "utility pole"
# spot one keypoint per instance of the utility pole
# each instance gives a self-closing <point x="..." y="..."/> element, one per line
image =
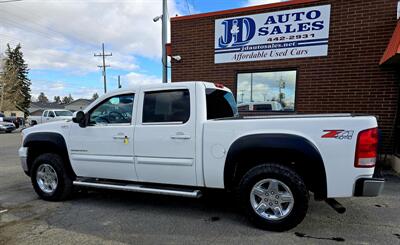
<point x="164" y="20"/>
<point x="2" y="81"/>
<point x="2" y="84"/>
<point x="164" y="40"/>
<point x="119" y="81"/>
<point x="104" y="66"/>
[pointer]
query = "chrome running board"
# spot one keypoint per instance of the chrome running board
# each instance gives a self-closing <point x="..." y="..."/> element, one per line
<point x="141" y="188"/>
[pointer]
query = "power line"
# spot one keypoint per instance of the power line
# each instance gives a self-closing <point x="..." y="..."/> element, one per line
<point x="42" y="29"/>
<point x="10" y="1"/>
<point x="187" y="5"/>
<point x="104" y="66"/>
<point x="24" y="28"/>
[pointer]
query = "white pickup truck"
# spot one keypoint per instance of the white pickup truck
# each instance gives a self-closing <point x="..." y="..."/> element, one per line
<point x="184" y="138"/>
<point x="50" y="116"/>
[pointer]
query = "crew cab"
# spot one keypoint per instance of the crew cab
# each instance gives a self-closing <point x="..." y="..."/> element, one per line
<point x="50" y="116"/>
<point x="184" y="138"/>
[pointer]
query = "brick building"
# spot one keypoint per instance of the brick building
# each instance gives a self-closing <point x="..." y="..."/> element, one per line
<point x="319" y="56"/>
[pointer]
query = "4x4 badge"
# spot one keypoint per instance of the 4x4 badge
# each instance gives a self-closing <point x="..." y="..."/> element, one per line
<point x="340" y="134"/>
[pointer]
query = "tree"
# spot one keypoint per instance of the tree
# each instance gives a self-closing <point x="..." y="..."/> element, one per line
<point x="57" y="99"/>
<point x="95" y="96"/>
<point x="42" y="98"/>
<point x="67" y="100"/>
<point x="16" y="94"/>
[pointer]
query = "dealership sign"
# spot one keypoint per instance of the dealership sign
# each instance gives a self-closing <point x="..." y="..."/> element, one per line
<point x="285" y="34"/>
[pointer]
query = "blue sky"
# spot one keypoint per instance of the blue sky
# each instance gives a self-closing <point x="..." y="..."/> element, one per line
<point x="59" y="46"/>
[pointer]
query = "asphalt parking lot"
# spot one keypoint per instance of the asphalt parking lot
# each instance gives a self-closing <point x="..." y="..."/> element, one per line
<point x="108" y="217"/>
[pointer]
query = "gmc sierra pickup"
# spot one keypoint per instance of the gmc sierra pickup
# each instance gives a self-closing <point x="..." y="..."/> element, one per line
<point x="182" y="138"/>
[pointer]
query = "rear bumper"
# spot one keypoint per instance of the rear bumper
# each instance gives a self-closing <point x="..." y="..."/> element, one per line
<point x="369" y="187"/>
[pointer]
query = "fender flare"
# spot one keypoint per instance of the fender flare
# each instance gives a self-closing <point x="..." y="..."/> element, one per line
<point x="55" y="140"/>
<point x="271" y="144"/>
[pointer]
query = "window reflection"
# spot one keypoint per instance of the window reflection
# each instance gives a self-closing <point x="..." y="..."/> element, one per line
<point x="266" y="91"/>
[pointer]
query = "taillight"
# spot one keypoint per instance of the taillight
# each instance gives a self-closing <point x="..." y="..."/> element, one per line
<point x="366" y="148"/>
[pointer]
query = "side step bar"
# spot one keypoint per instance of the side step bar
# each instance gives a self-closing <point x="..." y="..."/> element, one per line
<point x="141" y="188"/>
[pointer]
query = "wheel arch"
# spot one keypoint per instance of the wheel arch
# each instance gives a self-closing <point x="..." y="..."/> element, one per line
<point x="292" y="150"/>
<point x="46" y="142"/>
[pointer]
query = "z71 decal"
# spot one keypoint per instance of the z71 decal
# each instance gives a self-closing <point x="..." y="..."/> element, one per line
<point x="339" y="134"/>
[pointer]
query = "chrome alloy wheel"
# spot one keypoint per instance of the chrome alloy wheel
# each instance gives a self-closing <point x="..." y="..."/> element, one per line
<point x="271" y="199"/>
<point x="46" y="178"/>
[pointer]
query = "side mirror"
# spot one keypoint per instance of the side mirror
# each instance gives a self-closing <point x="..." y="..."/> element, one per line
<point x="79" y="117"/>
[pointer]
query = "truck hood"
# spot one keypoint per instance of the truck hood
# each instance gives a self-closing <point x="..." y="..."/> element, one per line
<point x="46" y="127"/>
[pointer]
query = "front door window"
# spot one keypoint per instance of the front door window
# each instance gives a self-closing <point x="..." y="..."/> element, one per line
<point x="115" y="110"/>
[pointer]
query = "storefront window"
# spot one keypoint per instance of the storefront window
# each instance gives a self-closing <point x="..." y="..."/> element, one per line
<point x="266" y="91"/>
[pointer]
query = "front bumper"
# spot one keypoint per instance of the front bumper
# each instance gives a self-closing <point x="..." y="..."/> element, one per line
<point x="369" y="187"/>
<point x="23" y="153"/>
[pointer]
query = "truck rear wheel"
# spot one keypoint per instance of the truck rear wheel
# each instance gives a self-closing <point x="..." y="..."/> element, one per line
<point x="273" y="196"/>
<point x="50" y="178"/>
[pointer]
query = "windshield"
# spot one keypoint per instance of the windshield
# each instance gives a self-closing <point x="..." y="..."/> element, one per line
<point x="63" y="113"/>
<point x="220" y="104"/>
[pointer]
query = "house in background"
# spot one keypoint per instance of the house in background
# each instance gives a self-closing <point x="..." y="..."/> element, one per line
<point x="13" y="113"/>
<point x="78" y="105"/>
<point x="37" y="108"/>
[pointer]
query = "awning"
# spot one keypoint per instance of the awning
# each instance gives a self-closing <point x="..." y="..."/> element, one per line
<point x="392" y="53"/>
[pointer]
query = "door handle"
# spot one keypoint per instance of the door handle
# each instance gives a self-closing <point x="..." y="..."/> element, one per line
<point x="120" y="137"/>
<point x="182" y="137"/>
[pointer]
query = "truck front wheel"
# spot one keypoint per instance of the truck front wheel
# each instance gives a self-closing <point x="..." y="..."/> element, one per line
<point x="50" y="178"/>
<point x="273" y="196"/>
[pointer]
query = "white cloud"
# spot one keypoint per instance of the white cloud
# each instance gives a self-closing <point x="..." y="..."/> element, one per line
<point x="136" y="79"/>
<point x="259" y="2"/>
<point x="63" y="35"/>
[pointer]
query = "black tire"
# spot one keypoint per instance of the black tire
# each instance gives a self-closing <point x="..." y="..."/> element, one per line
<point x="285" y="175"/>
<point x="64" y="185"/>
<point x="8" y="132"/>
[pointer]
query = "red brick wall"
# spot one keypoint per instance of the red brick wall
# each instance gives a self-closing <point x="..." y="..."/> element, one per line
<point x="348" y="80"/>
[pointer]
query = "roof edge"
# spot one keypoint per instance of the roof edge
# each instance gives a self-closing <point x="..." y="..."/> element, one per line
<point x="243" y="9"/>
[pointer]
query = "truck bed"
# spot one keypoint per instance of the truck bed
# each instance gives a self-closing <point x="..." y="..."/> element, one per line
<point x="337" y="152"/>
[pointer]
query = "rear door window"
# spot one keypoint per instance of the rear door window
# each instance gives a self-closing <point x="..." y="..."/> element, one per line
<point x="166" y="106"/>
